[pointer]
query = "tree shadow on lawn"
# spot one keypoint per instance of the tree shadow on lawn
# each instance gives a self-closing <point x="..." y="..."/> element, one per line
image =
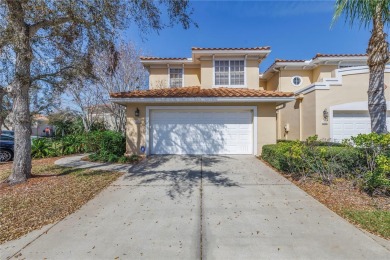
<point x="63" y="171"/>
<point x="180" y="174"/>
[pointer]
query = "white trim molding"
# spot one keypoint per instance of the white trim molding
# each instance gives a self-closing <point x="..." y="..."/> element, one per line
<point x="326" y="83"/>
<point x="232" y="52"/>
<point x="233" y="108"/>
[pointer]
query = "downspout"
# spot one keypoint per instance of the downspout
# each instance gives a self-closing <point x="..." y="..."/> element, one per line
<point x="299" y="98"/>
<point x="279" y="128"/>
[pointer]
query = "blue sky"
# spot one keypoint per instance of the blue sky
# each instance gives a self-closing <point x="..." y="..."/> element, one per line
<point x="293" y="29"/>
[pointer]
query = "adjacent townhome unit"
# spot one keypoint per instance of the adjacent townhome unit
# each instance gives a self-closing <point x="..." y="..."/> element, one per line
<point x="210" y="103"/>
<point x="330" y="96"/>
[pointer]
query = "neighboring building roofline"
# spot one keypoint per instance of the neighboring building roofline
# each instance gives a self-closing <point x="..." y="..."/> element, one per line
<point x="318" y="55"/>
<point x="337" y="80"/>
<point x="318" y="58"/>
<point x="261" y="51"/>
<point x="263" y="48"/>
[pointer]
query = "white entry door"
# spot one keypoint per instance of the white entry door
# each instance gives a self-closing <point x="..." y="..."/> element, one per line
<point x="215" y="131"/>
<point x="347" y="124"/>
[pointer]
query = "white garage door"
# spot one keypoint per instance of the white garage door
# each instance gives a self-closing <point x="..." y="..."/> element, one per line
<point x="201" y="132"/>
<point x="346" y="125"/>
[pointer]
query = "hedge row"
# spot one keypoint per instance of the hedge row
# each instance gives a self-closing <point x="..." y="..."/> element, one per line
<point x="106" y="146"/>
<point x="365" y="158"/>
<point x="305" y="159"/>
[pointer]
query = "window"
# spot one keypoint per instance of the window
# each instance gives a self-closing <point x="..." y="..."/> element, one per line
<point x="229" y="72"/>
<point x="175" y="78"/>
<point x="296" y="81"/>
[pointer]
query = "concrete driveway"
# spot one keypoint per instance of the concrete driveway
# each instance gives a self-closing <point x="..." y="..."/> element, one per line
<point x="199" y="207"/>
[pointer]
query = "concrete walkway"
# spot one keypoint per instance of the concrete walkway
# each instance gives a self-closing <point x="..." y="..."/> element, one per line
<point x="193" y="207"/>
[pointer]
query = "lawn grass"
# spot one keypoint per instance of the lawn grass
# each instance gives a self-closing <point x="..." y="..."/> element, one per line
<point x="53" y="193"/>
<point x="375" y="221"/>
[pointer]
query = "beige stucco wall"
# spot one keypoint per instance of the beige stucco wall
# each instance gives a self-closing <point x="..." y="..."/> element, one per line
<point x="353" y="89"/>
<point x="273" y="82"/>
<point x="158" y="77"/>
<point x="323" y="71"/>
<point x="266" y="125"/>
<point x="206" y="70"/>
<point x="191" y="77"/>
<point x="262" y="84"/>
<point x="201" y="75"/>
<point x="290" y="115"/>
<point x="252" y="74"/>
<point x="136" y="127"/>
<point x="286" y="76"/>
<point x="309" y="112"/>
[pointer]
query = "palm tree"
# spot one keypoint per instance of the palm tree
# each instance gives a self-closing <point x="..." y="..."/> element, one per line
<point x="377" y="13"/>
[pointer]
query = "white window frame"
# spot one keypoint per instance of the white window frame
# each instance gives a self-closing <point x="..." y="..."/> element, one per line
<point x="229" y="85"/>
<point x="292" y="81"/>
<point x="169" y="75"/>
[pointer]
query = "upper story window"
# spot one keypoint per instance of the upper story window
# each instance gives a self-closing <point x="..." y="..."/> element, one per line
<point x="175" y="77"/>
<point x="296" y="81"/>
<point x="229" y="72"/>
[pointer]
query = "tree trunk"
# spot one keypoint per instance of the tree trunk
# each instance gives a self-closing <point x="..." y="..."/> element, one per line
<point x="20" y="93"/>
<point x="2" y="112"/>
<point x="378" y="56"/>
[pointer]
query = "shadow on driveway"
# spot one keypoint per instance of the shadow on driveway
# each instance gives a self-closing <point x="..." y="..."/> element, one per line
<point x="180" y="174"/>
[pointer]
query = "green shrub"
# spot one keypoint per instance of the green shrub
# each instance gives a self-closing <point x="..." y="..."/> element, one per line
<point x="376" y="148"/>
<point x="315" y="142"/>
<point x="365" y="158"/>
<point x="108" y="146"/>
<point x="277" y="154"/>
<point x="308" y="158"/>
<point x="42" y="147"/>
<point x="71" y="144"/>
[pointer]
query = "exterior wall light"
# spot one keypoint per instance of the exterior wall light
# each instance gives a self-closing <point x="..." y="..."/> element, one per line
<point x="136" y="112"/>
<point x="325" y="114"/>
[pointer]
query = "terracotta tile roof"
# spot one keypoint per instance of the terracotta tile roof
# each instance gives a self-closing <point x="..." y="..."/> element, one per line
<point x="159" y="58"/>
<point x="232" y="49"/>
<point x="339" y="55"/>
<point x="199" y="92"/>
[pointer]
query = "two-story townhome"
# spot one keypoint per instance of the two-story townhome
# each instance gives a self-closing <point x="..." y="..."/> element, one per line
<point x="210" y="103"/>
<point x="331" y="96"/>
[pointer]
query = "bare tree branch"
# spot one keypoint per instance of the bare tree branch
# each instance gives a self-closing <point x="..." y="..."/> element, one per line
<point x="47" y="23"/>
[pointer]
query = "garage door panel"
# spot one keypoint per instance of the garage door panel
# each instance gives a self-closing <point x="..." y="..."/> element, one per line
<point x="345" y="125"/>
<point x="201" y="132"/>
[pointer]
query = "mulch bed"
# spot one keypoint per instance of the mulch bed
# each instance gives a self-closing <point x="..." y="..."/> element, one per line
<point x="341" y="196"/>
<point x="53" y="193"/>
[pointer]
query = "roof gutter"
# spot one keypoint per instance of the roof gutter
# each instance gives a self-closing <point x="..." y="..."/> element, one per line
<point x="202" y="100"/>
